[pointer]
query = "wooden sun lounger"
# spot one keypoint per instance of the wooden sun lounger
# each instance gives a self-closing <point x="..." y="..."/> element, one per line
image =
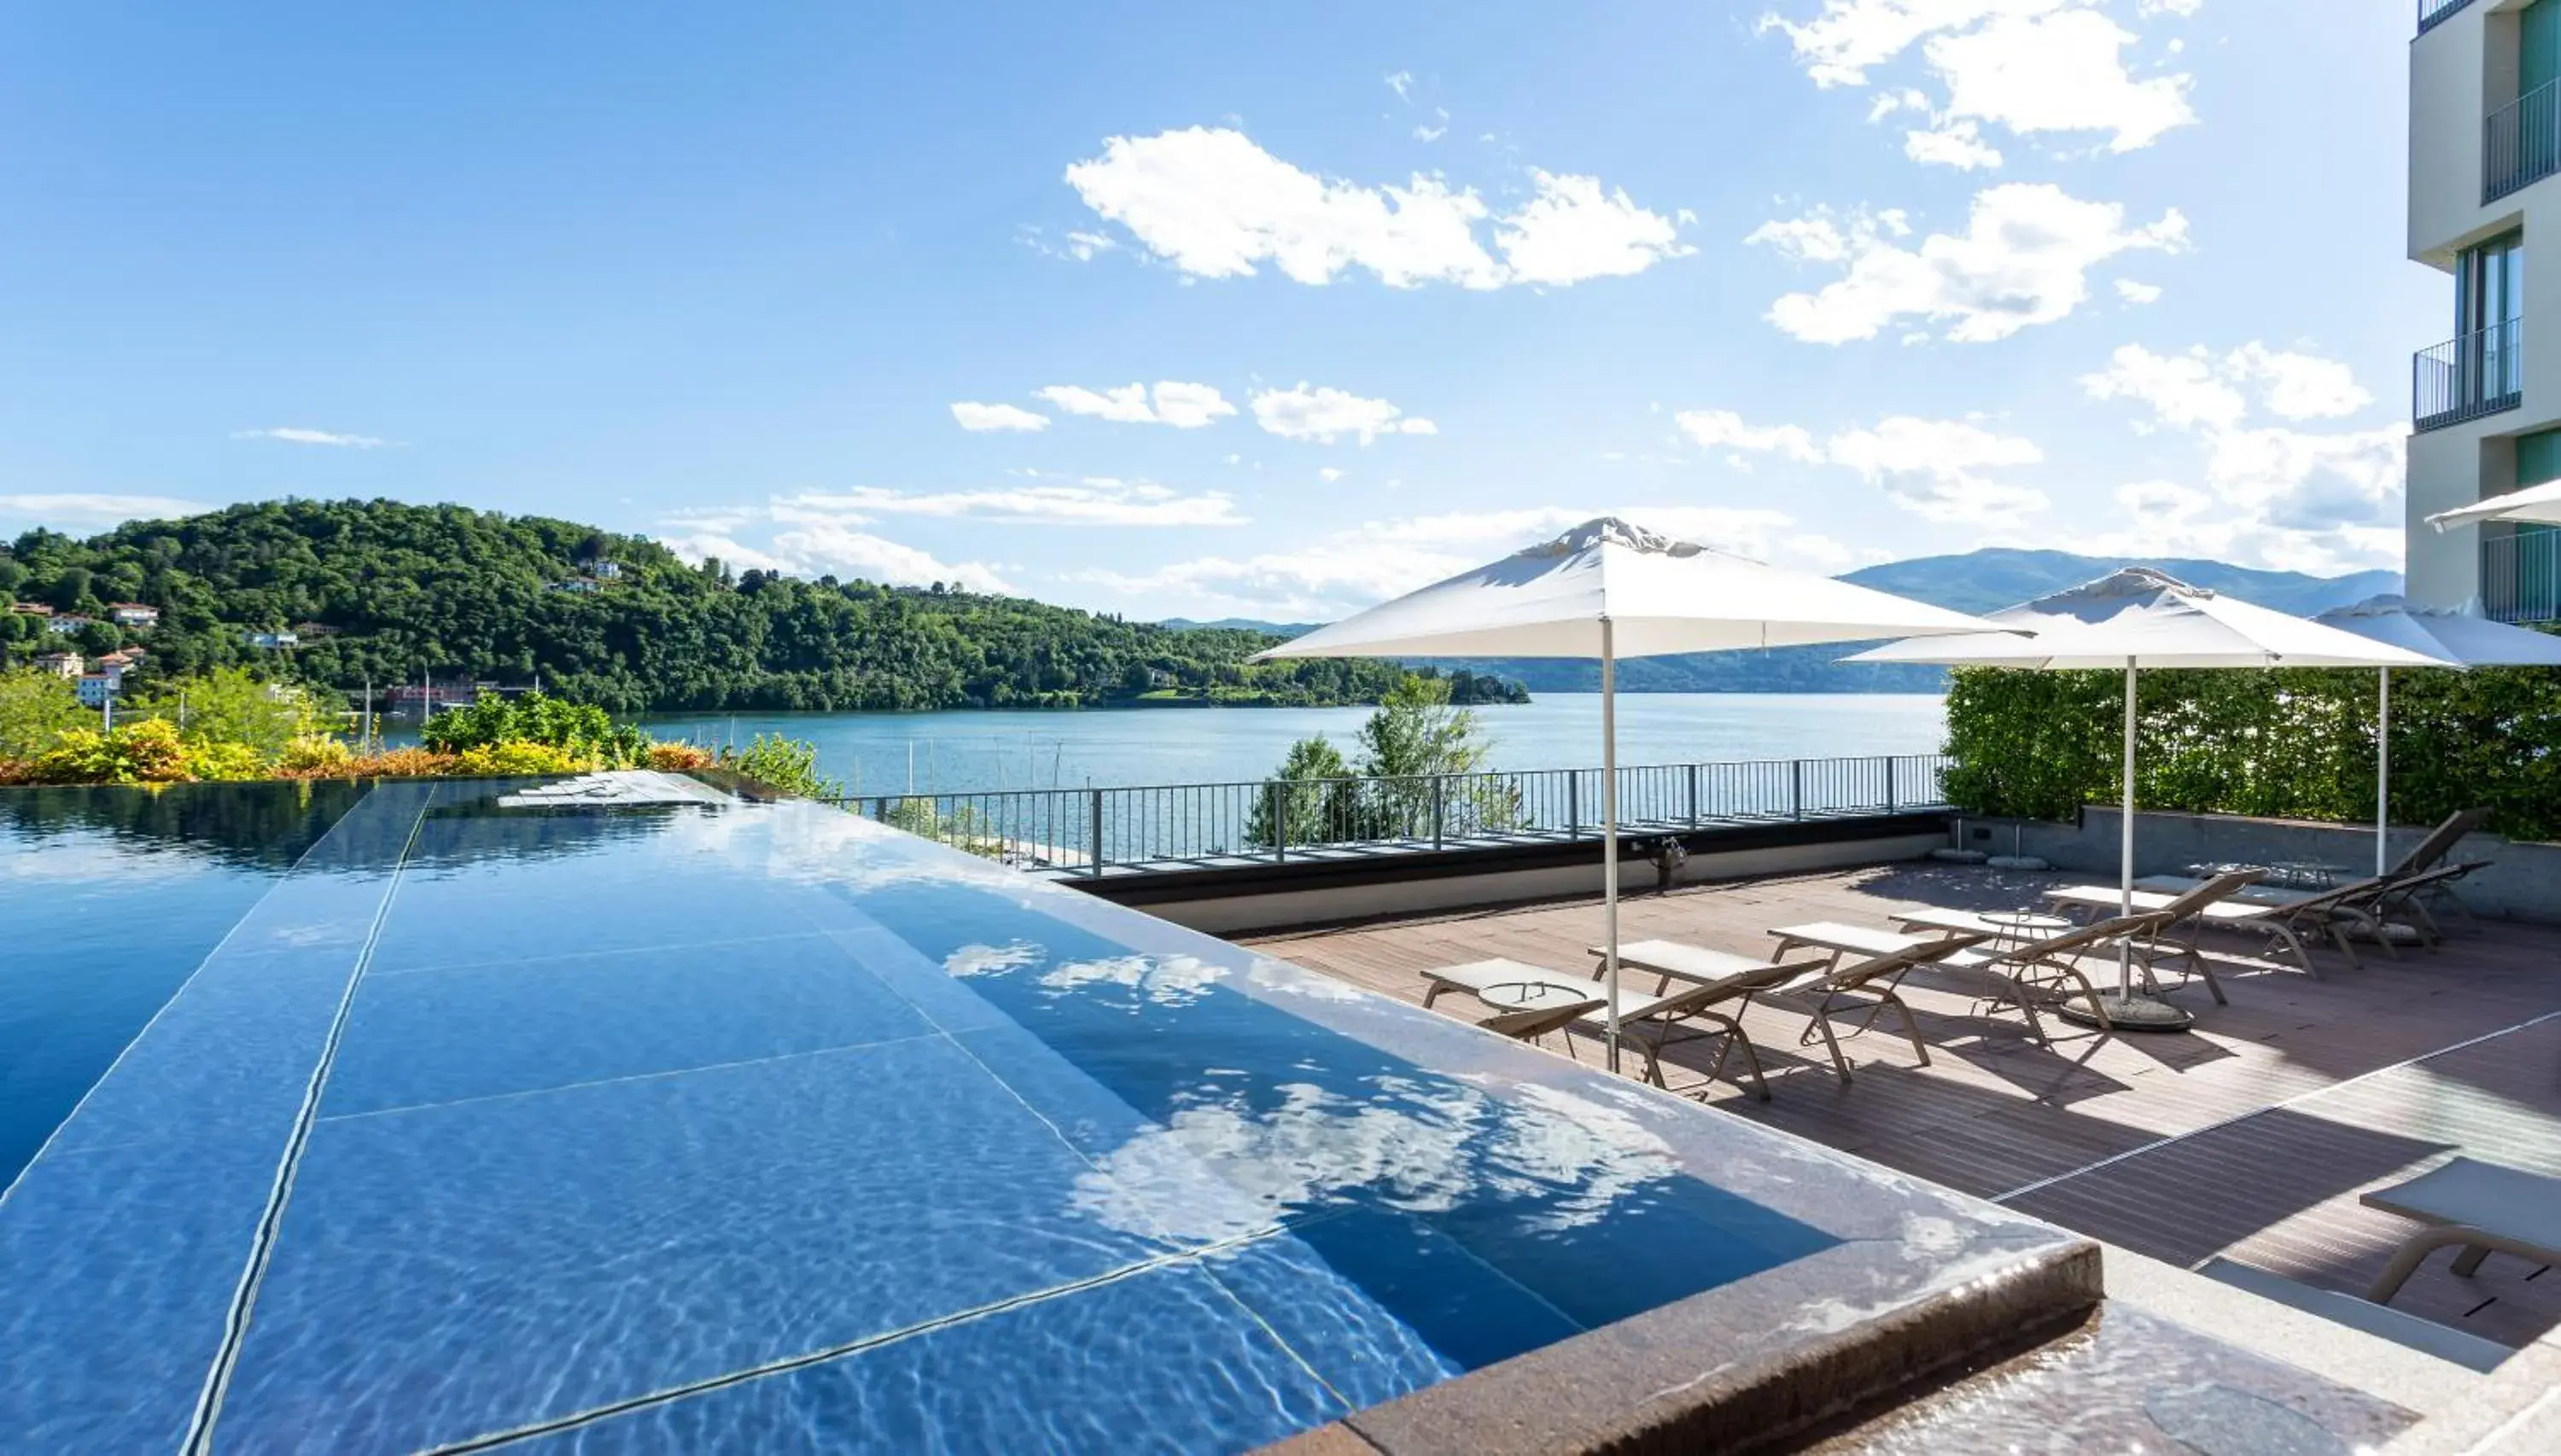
<point x="2195" y="908"/>
<point x="2482" y="1207"/>
<point x="2331" y="912"/>
<point x="1783" y="981"/>
<point x="1652" y="1020"/>
<point x="2026" y="974"/>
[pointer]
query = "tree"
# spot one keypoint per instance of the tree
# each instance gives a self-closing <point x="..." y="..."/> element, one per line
<point x="71" y="588"/>
<point x="1314" y="797"/>
<point x="35" y="708"/>
<point x="98" y="638"/>
<point x="233" y="706"/>
<point x="12" y="576"/>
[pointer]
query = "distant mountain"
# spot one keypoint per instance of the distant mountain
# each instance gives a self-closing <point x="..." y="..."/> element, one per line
<point x="1995" y="578"/>
<point x="1242" y="624"/>
<point x="1977" y="581"/>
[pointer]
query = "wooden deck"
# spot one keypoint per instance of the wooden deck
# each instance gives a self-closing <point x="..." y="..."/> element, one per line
<point x="2249" y="1137"/>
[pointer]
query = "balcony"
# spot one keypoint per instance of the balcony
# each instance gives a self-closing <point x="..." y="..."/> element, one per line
<point x="2465" y="377"/>
<point x="2521" y="576"/>
<point x="2522" y="142"/>
<point x="2432" y="12"/>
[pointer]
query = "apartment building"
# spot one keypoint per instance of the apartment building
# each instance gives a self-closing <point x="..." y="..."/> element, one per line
<point x="2484" y="149"/>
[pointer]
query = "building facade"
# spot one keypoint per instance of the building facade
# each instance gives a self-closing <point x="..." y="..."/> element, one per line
<point x="2485" y="150"/>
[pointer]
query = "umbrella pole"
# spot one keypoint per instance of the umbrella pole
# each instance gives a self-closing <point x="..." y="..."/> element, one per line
<point x="2124" y="1011"/>
<point x="1610" y="825"/>
<point x="2383" y="774"/>
<point x="2126" y="847"/>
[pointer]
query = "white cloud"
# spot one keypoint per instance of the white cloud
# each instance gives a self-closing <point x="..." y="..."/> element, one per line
<point x="1182" y="405"/>
<point x="2024" y="258"/>
<point x="977" y="418"/>
<point x="1838" y="45"/>
<point x="1215" y="205"/>
<point x="2059" y="72"/>
<point x="1329" y="476"/>
<point x="296" y="435"/>
<point x="2196" y="390"/>
<point x="1933" y="468"/>
<point x="2266" y="495"/>
<point x="1382" y="559"/>
<point x="1957" y="144"/>
<point x="2169" y="7"/>
<point x="2138" y="293"/>
<point x="73" y="510"/>
<point x="821" y="546"/>
<point x="1084" y="246"/>
<point x="1093" y="500"/>
<point x="1327" y="414"/>
<point x="1428" y="132"/>
<point x="1719" y="428"/>
<point x="1402" y="83"/>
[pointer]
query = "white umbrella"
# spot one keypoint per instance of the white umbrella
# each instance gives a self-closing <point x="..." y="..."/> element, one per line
<point x="1606" y="589"/>
<point x="2534" y="503"/>
<point x="2133" y="619"/>
<point x="2447" y="639"/>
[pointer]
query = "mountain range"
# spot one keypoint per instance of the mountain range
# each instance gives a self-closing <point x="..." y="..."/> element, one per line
<point x="1976" y="581"/>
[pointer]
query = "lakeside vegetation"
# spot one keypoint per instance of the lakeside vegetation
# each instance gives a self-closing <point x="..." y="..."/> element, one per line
<point x="350" y="592"/>
<point x="1399" y="783"/>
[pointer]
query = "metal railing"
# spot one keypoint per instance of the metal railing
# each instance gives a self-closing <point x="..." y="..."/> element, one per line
<point x="2522" y="142"/>
<point x="1169" y="827"/>
<point x="2481" y="373"/>
<point x="2432" y="12"/>
<point x="2521" y="576"/>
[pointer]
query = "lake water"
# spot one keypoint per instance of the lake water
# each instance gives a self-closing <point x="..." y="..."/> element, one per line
<point x="874" y="752"/>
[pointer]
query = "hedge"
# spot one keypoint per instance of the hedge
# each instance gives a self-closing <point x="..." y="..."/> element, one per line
<point x="2287" y="743"/>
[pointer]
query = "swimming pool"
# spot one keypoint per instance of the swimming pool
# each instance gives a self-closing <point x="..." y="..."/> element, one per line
<point x="765" y="1128"/>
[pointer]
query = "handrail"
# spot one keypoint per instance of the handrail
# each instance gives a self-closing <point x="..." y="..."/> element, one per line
<point x="2522" y="142"/>
<point x="1160" y="827"/>
<point x="2521" y="574"/>
<point x="2467" y="377"/>
<point x="2433" y="13"/>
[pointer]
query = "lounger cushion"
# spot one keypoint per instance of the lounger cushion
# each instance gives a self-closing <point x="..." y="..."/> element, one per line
<point x="1695" y="964"/>
<point x="2509" y="1202"/>
<point x="2427" y="1336"/>
<point x="2099" y="896"/>
<point x="1860" y="939"/>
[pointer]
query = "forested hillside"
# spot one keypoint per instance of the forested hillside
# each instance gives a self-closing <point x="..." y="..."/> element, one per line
<point x="387" y="590"/>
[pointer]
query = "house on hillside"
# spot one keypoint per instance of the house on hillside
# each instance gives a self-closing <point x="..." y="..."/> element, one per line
<point x="122" y="660"/>
<point x="271" y="640"/>
<point x="600" y="568"/>
<point x="60" y="664"/>
<point x="577" y="587"/>
<point x="309" y="631"/>
<point x="31" y="610"/>
<point x="132" y="614"/>
<point x="95" y="688"/>
<point x="66" y="623"/>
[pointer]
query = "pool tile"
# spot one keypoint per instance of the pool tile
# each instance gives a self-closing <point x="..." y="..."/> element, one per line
<point x="1087" y="1372"/>
<point x="1378" y="1305"/>
<point x="120" y="1267"/>
<point x="455" y="1270"/>
<point x="438" y="1036"/>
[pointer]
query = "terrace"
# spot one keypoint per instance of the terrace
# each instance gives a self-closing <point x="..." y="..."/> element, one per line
<point x="2249" y="1138"/>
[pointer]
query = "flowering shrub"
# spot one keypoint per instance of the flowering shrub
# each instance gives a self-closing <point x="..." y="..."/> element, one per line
<point x="513" y="759"/>
<point x="315" y="755"/>
<point x="677" y="757"/>
<point x="219" y="761"/>
<point x="143" y="752"/>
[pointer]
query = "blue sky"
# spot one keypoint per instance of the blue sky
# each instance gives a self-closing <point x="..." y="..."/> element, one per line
<point x="865" y="289"/>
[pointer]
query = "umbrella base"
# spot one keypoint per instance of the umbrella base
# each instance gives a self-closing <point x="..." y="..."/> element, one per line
<point x="2129" y="1014"/>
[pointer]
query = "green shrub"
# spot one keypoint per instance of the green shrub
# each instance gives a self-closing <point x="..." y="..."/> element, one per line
<point x="514" y="760"/>
<point x="148" y="752"/>
<point x="35" y="708"/>
<point x="2294" y="743"/>
<point x="787" y="766"/>
<point x="582" y="731"/>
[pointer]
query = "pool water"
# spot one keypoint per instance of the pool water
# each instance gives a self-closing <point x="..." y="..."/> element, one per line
<point x="765" y="1128"/>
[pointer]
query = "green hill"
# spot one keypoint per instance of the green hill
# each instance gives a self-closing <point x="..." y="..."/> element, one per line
<point x="387" y="590"/>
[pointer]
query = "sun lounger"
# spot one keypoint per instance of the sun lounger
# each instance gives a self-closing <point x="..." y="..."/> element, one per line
<point x="1871" y="983"/>
<point x="1652" y="1020"/>
<point x="1788" y="982"/>
<point x="2037" y="971"/>
<point x="2208" y="903"/>
<point x="2331" y="914"/>
<point x="2427" y="1336"/>
<point x="2441" y="842"/>
<point x="2481" y="1207"/>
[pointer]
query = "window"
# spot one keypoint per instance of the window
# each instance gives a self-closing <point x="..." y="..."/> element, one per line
<point x="2489" y="296"/>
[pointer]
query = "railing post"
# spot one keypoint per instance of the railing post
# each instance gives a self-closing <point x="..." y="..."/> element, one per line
<point x="1439" y="807"/>
<point x="1279" y="821"/>
<point x="1888" y="784"/>
<point x="1693" y="794"/>
<point x="1797" y="787"/>
<point x="1573" y="804"/>
<point x="1094" y="809"/>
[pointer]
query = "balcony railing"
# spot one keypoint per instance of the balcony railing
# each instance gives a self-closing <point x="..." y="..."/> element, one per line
<point x="2522" y="142"/>
<point x="1168" y="827"/>
<point x="2521" y="576"/>
<point x="2482" y="372"/>
<point x="2431" y="12"/>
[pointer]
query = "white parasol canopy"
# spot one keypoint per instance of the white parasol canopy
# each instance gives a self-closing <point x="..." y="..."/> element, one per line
<point x="1606" y="589"/>
<point x="2448" y="639"/>
<point x="2534" y="503"/>
<point x="2137" y="618"/>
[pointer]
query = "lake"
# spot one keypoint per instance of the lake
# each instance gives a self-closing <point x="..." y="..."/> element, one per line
<point x="875" y="752"/>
